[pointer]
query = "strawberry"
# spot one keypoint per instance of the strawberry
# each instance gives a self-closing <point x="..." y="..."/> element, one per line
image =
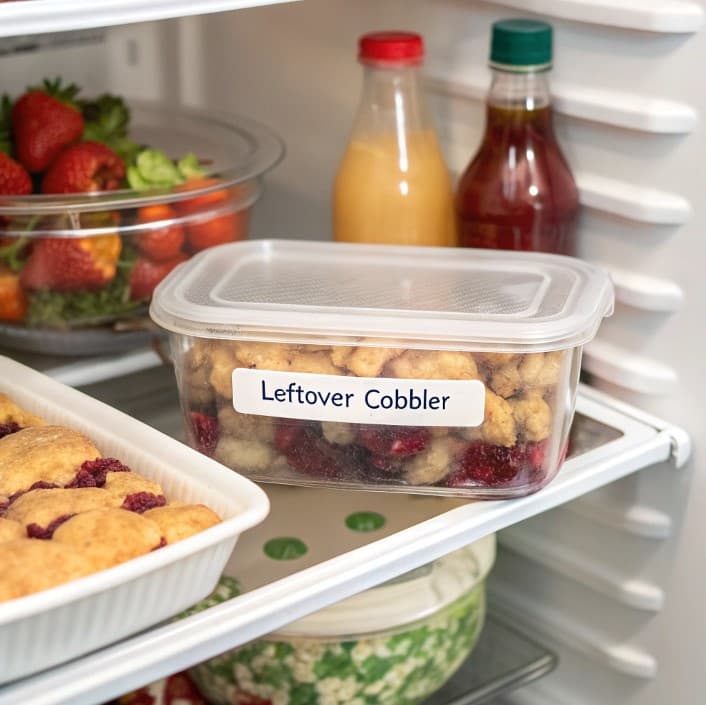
<point x="72" y="264"/>
<point x="45" y="121"/>
<point x="209" y="229"/>
<point x="14" y="179"/>
<point x="162" y="243"/>
<point x="146" y="274"/>
<point x="84" y="168"/>
<point x="13" y="300"/>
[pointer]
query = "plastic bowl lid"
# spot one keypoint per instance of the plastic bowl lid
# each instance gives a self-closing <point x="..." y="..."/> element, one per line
<point x="235" y="149"/>
<point x="405" y="600"/>
<point x="295" y="291"/>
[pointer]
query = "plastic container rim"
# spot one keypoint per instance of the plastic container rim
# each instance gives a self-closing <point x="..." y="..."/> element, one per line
<point x="309" y="324"/>
<point x="271" y="151"/>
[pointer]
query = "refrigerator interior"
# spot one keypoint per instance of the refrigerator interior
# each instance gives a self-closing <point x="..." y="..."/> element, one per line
<point x="612" y="581"/>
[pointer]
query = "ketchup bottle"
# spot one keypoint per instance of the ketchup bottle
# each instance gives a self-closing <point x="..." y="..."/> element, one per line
<point x="518" y="192"/>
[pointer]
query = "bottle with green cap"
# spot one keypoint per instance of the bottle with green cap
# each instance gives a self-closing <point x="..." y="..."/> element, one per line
<point x="518" y="192"/>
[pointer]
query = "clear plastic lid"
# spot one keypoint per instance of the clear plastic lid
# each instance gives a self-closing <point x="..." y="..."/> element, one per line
<point x="234" y="149"/>
<point x="296" y="291"/>
<point x="405" y="600"/>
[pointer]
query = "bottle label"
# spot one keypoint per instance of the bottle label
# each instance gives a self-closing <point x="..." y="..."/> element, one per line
<point x="366" y="400"/>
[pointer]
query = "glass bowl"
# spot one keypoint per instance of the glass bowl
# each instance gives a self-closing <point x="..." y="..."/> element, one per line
<point x="116" y="246"/>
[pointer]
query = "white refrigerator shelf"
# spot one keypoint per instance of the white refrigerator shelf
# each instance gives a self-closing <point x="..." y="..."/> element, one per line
<point x="611" y="440"/>
<point x="43" y="16"/>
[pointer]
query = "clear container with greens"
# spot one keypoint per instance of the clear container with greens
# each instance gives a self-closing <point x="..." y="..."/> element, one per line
<point x="395" y="644"/>
<point x="88" y="262"/>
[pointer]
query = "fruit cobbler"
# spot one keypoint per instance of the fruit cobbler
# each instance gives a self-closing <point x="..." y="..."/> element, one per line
<point x="516" y="448"/>
<point x="66" y="511"/>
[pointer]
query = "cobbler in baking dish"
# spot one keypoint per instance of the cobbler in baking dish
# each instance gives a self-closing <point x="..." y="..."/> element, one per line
<point x="66" y="511"/>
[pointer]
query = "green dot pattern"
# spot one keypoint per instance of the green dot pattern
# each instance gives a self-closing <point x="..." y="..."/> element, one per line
<point x="285" y="548"/>
<point x="365" y="521"/>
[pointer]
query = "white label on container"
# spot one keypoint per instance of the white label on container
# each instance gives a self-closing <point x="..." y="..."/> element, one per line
<point x="369" y="400"/>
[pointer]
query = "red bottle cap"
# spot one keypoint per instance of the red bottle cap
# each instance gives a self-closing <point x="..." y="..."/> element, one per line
<point x="391" y="48"/>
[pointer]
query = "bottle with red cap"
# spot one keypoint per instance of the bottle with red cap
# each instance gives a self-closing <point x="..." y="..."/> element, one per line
<point x="392" y="185"/>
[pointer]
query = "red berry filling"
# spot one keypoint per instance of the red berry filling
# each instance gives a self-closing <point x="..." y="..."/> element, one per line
<point x="92" y="473"/>
<point x="39" y="485"/>
<point x="7" y="428"/>
<point x="142" y="501"/>
<point x="34" y="531"/>
<point x="204" y="429"/>
<point x="393" y="441"/>
<point x="492" y="466"/>
<point x="162" y="543"/>
<point x="312" y="454"/>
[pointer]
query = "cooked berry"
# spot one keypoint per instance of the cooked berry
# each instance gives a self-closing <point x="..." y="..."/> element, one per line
<point x="311" y="454"/>
<point x="395" y="442"/>
<point x="34" y="531"/>
<point x="287" y="434"/>
<point x="92" y="473"/>
<point x="142" y="501"/>
<point x="7" y="428"/>
<point x="162" y="543"/>
<point x="204" y="428"/>
<point x="492" y="466"/>
<point x="39" y="485"/>
<point x="385" y="463"/>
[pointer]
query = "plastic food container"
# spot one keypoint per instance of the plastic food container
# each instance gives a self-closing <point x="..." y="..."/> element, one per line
<point x="397" y="643"/>
<point x="114" y="603"/>
<point x="127" y="240"/>
<point x="436" y="371"/>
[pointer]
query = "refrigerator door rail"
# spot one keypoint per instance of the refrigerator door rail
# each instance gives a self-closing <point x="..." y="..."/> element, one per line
<point x="678" y="16"/>
<point x="552" y="555"/>
<point x="559" y="628"/>
<point x="435" y="527"/>
<point x="43" y="16"/>
<point x="631" y="111"/>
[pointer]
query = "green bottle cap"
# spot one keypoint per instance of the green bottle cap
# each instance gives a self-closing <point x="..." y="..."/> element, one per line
<point x="521" y="45"/>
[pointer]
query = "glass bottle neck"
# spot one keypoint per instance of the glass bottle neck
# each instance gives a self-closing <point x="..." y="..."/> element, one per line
<point x="391" y="102"/>
<point x="519" y="91"/>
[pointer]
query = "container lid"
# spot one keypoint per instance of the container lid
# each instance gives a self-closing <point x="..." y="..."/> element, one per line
<point x="424" y="297"/>
<point x="520" y="45"/>
<point x="235" y="151"/>
<point x="404" y="600"/>
<point x="391" y="48"/>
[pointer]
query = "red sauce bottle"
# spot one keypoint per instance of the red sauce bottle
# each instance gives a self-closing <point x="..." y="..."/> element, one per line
<point x="518" y="192"/>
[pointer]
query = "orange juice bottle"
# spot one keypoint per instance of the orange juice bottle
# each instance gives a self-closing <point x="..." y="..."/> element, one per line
<point x="392" y="185"/>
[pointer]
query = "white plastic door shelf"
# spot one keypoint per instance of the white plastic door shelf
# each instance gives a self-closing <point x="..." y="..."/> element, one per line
<point x="41" y="16"/>
<point x="648" y="15"/>
<point x="432" y="527"/>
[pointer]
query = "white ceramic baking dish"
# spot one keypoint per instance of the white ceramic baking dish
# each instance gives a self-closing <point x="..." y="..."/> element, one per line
<point x="59" y="624"/>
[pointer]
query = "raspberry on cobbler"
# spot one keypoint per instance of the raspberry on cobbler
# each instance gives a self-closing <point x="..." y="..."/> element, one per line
<point x="7" y="428"/>
<point x="34" y="531"/>
<point x="92" y="473"/>
<point x="39" y="485"/>
<point x="140" y="502"/>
